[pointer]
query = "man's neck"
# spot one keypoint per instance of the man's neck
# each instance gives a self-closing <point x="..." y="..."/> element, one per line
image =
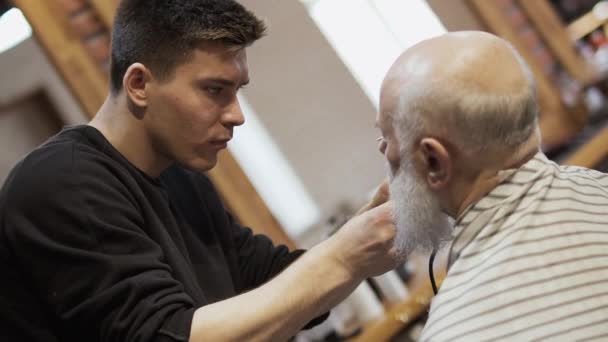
<point x="490" y="178"/>
<point x="128" y="136"/>
<point x="486" y="182"/>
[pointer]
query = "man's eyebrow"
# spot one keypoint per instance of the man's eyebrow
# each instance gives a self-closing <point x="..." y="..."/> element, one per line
<point x="224" y="81"/>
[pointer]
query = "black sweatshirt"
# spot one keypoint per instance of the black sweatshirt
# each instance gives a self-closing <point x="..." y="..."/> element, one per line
<point x="92" y="249"/>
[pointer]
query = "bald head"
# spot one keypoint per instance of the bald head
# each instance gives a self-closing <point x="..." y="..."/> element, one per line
<point x="478" y="60"/>
<point x="470" y="88"/>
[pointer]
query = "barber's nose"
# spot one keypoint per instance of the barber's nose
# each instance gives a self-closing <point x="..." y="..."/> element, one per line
<point x="234" y="114"/>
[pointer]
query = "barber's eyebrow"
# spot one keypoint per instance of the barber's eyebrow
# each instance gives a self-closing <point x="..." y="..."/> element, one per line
<point x="224" y="81"/>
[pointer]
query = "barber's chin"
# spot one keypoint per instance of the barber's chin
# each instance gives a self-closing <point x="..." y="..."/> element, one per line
<point x="201" y="165"/>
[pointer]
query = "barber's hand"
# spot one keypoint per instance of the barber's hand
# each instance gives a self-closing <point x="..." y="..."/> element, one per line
<point x="380" y="197"/>
<point x="364" y="246"/>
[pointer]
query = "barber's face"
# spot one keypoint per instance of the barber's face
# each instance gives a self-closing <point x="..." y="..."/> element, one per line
<point x="191" y="116"/>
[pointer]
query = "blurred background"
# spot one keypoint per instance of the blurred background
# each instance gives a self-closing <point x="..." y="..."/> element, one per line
<point x="307" y="158"/>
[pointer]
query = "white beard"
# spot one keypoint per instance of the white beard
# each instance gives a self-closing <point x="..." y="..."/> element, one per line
<point x="421" y="224"/>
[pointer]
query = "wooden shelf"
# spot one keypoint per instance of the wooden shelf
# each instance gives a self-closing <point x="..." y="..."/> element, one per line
<point x="560" y="122"/>
<point x="65" y="51"/>
<point x="105" y="9"/>
<point x="558" y="38"/>
<point x="591" y="153"/>
<point x="597" y="17"/>
<point x="399" y="316"/>
<point x="521" y="30"/>
<point x="595" y="150"/>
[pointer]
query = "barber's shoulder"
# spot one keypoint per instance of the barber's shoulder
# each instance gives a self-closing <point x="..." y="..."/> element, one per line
<point x="52" y="170"/>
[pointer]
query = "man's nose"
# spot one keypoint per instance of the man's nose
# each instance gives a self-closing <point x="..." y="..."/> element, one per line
<point x="234" y="114"/>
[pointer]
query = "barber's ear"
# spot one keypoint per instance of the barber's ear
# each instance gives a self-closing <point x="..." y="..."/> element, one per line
<point x="438" y="163"/>
<point x="134" y="83"/>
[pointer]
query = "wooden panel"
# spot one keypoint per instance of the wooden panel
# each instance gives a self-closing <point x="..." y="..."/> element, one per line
<point x="591" y="153"/>
<point x="557" y="129"/>
<point x="25" y="123"/>
<point x="589" y="22"/>
<point x="106" y="9"/>
<point x="66" y="52"/>
<point x="549" y="24"/>
<point x="557" y="124"/>
<point x="399" y="316"/>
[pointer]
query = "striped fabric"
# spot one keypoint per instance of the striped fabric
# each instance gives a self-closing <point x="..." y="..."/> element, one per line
<point x="529" y="261"/>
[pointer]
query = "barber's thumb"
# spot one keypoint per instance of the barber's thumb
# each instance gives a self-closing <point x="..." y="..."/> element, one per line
<point x="385" y="207"/>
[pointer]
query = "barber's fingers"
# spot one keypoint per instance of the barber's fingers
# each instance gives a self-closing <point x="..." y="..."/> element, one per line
<point x="384" y="207"/>
<point x="384" y="188"/>
<point x="380" y="196"/>
<point x="382" y="222"/>
<point x="382" y="193"/>
<point x="383" y="212"/>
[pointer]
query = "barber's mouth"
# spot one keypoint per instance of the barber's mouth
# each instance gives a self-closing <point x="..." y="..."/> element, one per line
<point x="220" y="144"/>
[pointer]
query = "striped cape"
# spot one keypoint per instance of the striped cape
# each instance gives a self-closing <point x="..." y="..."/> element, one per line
<point x="529" y="261"/>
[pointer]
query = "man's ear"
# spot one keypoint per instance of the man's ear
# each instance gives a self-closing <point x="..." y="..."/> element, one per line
<point x="438" y="163"/>
<point x="134" y="83"/>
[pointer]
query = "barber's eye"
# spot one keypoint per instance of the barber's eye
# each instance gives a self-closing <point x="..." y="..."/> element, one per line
<point x="214" y="90"/>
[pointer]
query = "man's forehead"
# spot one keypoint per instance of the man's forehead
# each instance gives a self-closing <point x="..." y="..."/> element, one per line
<point x="221" y="64"/>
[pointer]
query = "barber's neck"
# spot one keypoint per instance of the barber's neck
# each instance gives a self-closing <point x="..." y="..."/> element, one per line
<point x="488" y="178"/>
<point x="124" y="129"/>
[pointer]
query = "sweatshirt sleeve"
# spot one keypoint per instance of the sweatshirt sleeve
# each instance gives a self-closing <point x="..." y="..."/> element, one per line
<point x="256" y="258"/>
<point x="260" y="260"/>
<point x="78" y="238"/>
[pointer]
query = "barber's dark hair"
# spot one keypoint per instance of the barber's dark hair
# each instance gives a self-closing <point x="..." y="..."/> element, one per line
<point x="161" y="34"/>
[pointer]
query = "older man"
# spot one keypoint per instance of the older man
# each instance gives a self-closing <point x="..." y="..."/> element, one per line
<point x="528" y="257"/>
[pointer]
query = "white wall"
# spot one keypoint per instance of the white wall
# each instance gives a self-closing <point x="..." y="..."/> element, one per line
<point x="312" y="106"/>
<point x="24" y="125"/>
<point x="24" y="69"/>
<point x="456" y="15"/>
